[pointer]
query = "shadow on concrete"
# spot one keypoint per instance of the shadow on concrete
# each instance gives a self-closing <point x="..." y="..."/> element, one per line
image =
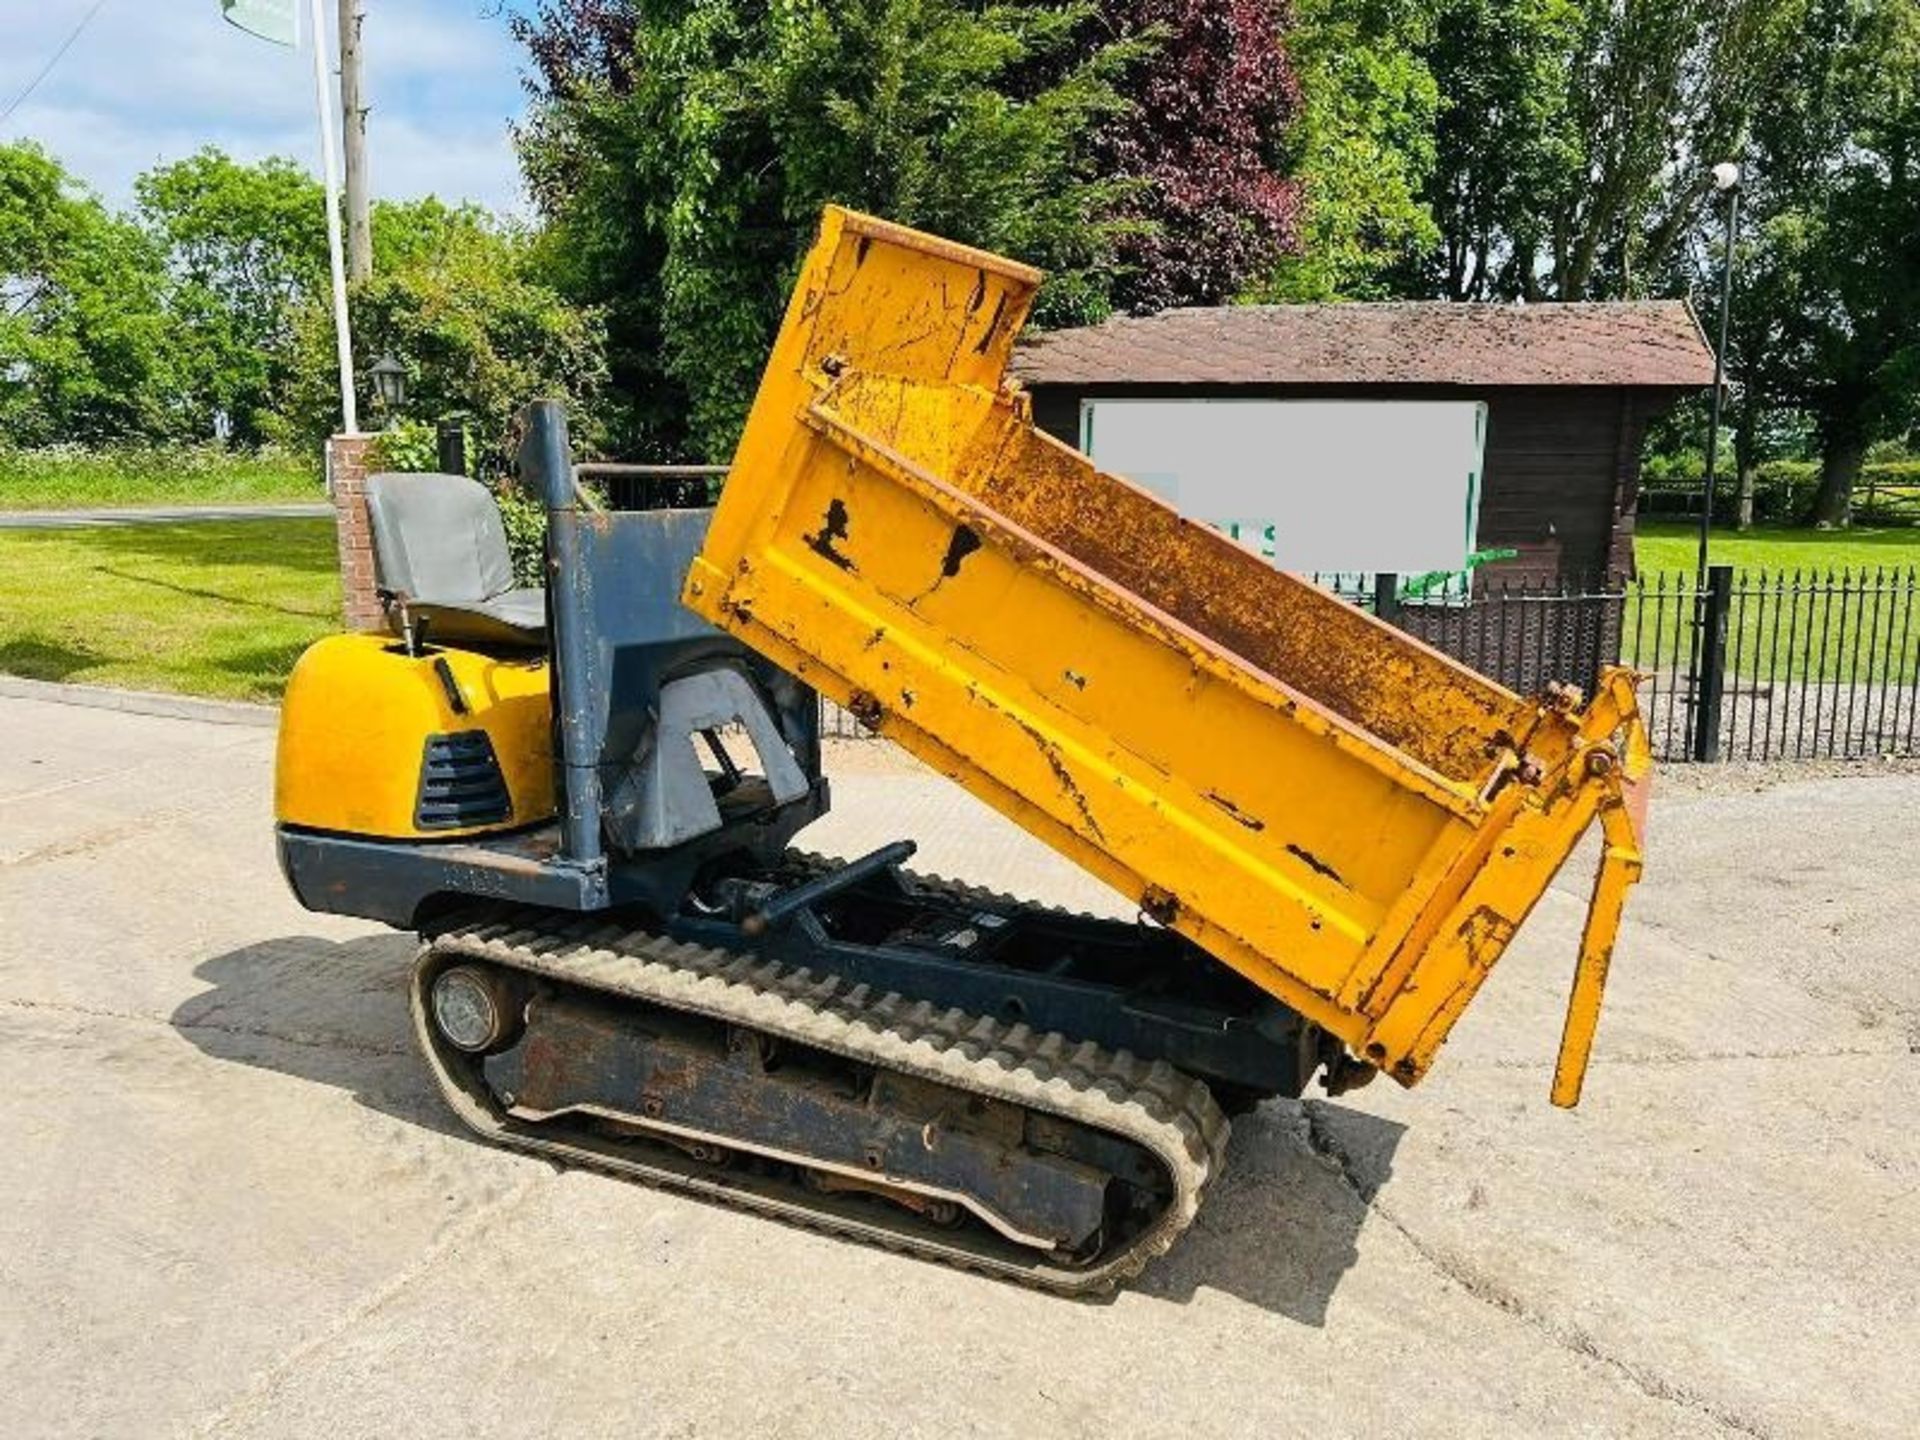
<point x="1278" y="1230"/>
<point x="1282" y="1225"/>
<point x="326" y="1011"/>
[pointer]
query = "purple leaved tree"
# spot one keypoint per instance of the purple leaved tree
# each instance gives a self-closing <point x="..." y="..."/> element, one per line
<point x="1210" y="109"/>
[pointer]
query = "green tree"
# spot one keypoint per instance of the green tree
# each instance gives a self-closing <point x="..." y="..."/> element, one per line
<point x="245" y="244"/>
<point x="1658" y="92"/>
<point x="453" y="294"/>
<point x="1503" y="140"/>
<point x="1830" y="279"/>
<point x="1574" y="149"/>
<point x="682" y="151"/>
<point x="1362" y="147"/>
<point x="480" y="334"/>
<point x="411" y="232"/>
<point x="86" y="344"/>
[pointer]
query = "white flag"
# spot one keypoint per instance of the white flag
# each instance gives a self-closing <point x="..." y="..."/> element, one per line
<point x="269" y="19"/>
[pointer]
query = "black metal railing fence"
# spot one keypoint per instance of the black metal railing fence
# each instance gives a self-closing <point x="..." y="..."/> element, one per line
<point x="1756" y="664"/>
<point x="1792" y="664"/>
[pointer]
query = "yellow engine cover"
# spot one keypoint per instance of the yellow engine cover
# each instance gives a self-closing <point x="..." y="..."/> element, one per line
<point x="362" y="719"/>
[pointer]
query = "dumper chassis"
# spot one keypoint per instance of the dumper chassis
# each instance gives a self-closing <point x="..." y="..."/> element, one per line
<point x="778" y="1053"/>
<point x="817" y="1098"/>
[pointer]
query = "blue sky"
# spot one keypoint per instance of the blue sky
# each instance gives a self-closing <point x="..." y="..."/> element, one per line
<point x="154" y="80"/>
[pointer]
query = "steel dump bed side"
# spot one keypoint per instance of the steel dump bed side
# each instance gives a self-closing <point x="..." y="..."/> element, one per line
<point x="1347" y="817"/>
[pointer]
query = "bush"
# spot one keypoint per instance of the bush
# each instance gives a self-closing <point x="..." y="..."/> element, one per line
<point x="1903" y="473"/>
<point x="411" y="447"/>
<point x="1782" y="489"/>
<point x="525" y="519"/>
<point x="1672" y="471"/>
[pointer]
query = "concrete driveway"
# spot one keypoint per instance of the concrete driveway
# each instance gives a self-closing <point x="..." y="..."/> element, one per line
<point x="231" y="1203"/>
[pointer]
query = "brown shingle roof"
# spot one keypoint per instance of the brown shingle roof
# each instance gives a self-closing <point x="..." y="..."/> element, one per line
<point x="1653" y="342"/>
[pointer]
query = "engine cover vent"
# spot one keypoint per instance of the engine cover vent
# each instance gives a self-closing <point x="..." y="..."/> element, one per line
<point x="460" y="783"/>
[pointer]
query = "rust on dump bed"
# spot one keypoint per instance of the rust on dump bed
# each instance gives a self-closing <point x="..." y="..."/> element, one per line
<point x="1305" y="639"/>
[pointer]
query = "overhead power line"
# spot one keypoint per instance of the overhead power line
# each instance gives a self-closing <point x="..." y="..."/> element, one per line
<point x="52" y="60"/>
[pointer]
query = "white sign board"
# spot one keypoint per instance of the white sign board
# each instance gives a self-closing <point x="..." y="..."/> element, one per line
<point x="1319" y="486"/>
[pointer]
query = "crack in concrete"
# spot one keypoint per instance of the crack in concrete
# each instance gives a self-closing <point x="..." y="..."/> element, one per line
<point x="1808" y="986"/>
<point x="87" y="842"/>
<point x="58" y="787"/>
<point x="102" y="836"/>
<point x="1490" y="1292"/>
<point x="1696" y="1057"/>
<point x="204" y="1024"/>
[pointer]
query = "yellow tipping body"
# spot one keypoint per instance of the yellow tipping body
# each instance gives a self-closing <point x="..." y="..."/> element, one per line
<point x="356" y="720"/>
<point x="1345" y="816"/>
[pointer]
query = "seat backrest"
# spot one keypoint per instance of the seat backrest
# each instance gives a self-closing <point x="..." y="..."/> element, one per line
<point x="438" y="538"/>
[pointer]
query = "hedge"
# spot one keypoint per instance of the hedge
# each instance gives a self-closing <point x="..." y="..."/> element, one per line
<point x="1783" y="490"/>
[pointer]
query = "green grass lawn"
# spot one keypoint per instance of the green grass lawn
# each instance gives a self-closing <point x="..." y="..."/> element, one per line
<point x="219" y="609"/>
<point x="71" y="478"/>
<point x="1846" y="617"/>
<point x="1665" y="545"/>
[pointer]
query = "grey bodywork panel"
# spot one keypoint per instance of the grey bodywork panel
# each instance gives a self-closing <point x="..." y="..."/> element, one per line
<point x="664" y="798"/>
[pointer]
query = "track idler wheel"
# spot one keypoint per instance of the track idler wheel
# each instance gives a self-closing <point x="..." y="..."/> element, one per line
<point x="477" y="1008"/>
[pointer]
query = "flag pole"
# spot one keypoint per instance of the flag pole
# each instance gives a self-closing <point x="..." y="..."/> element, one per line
<point x="343" y="339"/>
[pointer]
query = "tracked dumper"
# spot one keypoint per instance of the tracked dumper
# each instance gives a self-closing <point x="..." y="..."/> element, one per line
<point x="584" y="800"/>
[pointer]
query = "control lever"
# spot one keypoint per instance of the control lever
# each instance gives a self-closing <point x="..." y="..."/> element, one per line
<point x="413" y="633"/>
<point x="780" y="908"/>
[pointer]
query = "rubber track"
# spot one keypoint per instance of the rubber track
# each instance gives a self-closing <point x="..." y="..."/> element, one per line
<point x="1170" y="1114"/>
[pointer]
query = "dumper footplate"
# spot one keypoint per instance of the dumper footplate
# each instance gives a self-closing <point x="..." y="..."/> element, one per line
<point x="791" y="1092"/>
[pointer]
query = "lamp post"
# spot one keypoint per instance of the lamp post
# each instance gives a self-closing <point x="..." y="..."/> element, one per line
<point x="1726" y="180"/>
<point x="390" y="383"/>
<point x="1712" y="587"/>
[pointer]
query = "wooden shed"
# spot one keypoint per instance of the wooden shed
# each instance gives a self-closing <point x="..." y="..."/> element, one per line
<point x="1569" y="389"/>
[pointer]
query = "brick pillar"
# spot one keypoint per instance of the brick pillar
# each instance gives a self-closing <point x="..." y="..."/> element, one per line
<point x="347" y="473"/>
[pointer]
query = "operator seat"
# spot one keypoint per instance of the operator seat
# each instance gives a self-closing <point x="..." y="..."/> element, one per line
<point x="441" y="553"/>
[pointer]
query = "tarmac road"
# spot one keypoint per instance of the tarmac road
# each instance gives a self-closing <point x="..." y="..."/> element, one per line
<point x="155" y="515"/>
<point x="232" y="1205"/>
